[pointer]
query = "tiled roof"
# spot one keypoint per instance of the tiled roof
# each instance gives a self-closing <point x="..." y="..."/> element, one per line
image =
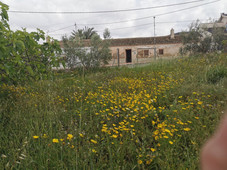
<point x="145" y="41"/>
<point x="138" y="41"/>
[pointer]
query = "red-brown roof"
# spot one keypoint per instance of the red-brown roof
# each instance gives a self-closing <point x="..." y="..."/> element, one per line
<point x="138" y="41"/>
<point x="145" y="41"/>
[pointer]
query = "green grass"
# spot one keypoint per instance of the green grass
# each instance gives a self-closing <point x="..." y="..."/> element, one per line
<point x="152" y="117"/>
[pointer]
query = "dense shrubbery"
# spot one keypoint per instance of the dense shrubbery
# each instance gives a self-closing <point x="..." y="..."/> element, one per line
<point x="215" y="74"/>
<point x="199" y="40"/>
<point x="86" y="49"/>
<point x="22" y="57"/>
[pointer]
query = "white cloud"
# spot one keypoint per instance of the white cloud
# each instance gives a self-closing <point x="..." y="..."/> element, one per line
<point x="51" y="22"/>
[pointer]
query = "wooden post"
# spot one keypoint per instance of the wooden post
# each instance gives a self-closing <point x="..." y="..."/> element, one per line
<point x="118" y="58"/>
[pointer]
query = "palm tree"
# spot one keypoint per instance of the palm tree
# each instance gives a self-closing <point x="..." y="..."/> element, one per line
<point x="88" y="32"/>
<point x="85" y="33"/>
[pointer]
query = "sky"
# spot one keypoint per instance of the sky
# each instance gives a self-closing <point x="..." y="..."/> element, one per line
<point x="58" y="24"/>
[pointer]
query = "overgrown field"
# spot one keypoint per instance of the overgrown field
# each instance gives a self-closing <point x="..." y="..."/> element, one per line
<point x="152" y="117"/>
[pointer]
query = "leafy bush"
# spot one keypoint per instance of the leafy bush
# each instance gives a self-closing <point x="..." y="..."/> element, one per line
<point x="22" y="56"/>
<point x="199" y="40"/>
<point x="89" y="54"/>
<point x="215" y="74"/>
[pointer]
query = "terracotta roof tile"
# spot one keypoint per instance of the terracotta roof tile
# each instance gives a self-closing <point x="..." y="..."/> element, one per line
<point x="145" y="41"/>
<point x="138" y="41"/>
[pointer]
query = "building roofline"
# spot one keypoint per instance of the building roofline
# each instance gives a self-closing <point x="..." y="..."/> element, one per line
<point x="138" y="37"/>
<point x="135" y="41"/>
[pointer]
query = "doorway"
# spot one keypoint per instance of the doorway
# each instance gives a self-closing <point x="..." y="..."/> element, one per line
<point x="128" y="56"/>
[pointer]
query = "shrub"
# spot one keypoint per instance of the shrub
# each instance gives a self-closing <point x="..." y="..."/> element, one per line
<point x="215" y="74"/>
<point x="22" y="57"/>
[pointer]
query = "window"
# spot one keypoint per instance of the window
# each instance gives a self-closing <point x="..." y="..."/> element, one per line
<point x="146" y="53"/>
<point x="140" y="53"/>
<point x="161" y="51"/>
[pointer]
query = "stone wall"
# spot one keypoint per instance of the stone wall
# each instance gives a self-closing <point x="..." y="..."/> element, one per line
<point x="144" y="53"/>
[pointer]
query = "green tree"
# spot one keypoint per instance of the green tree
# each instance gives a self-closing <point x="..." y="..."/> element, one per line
<point x="200" y="40"/>
<point x="106" y="34"/>
<point x="218" y="37"/>
<point x="21" y="56"/>
<point x="86" y="53"/>
<point x="75" y="51"/>
<point x="191" y="38"/>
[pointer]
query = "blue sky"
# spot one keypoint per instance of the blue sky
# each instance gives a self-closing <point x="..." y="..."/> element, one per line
<point x="50" y="23"/>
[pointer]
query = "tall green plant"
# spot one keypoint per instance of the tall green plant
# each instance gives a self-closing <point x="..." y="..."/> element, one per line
<point x="22" y="57"/>
<point x="86" y="53"/>
<point x="106" y="34"/>
<point x="201" y="40"/>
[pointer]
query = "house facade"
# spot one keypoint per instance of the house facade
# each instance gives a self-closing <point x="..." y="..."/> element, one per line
<point x="143" y="50"/>
<point x="146" y="49"/>
<point x="126" y="51"/>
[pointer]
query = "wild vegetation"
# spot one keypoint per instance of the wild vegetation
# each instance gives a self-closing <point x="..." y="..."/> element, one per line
<point x="89" y="55"/>
<point x="153" y="117"/>
<point x="199" y="39"/>
<point x="22" y="57"/>
<point x="84" y="48"/>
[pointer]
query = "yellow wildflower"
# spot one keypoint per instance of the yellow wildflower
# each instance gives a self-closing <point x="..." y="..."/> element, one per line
<point x="140" y="162"/>
<point x="193" y="142"/>
<point x="153" y="150"/>
<point x="94" y="141"/>
<point x="55" y="141"/>
<point x="93" y="150"/>
<point x="45" y="135"/>
<point x="35" y="137"/>
<point x="114" y="136"/>
<point x="69" y="136"/>
<point x="148" y="162"/>
<point x="200" y="102"/>
<point x="167" y="130"/>
<point x="187" y="129"/>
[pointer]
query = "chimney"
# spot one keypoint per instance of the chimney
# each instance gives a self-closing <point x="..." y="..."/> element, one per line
<point x="172" y="33"/>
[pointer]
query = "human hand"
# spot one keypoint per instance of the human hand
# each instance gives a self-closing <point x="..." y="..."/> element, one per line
<point x="214" y="152"/>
